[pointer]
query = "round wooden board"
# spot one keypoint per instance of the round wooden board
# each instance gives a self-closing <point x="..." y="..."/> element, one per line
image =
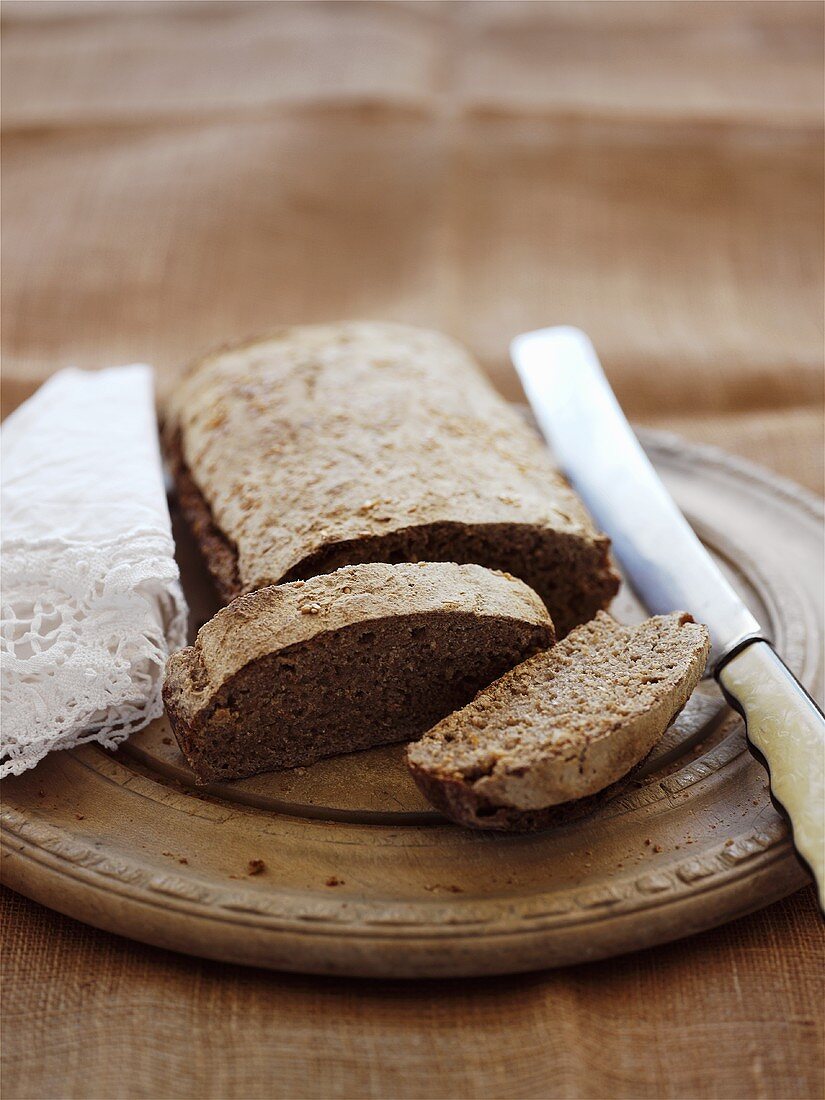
<point x="343" y="869"/>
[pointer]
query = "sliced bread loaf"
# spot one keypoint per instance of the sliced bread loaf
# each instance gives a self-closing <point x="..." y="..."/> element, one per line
<point x="366" y="655"/>
<point x="328" y="445"/>
<point x="561" y="729"/>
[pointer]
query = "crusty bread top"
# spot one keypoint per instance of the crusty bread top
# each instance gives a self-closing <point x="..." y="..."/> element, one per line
<point x="572" y="719"/>
<point x="273" y="618"/>
<point x="324" y="434"/>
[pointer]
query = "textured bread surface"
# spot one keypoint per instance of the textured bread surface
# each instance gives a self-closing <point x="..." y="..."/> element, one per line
<point x="329" y="445"/>
<point x="363" y="656"/>
<point x="564" y="727"/>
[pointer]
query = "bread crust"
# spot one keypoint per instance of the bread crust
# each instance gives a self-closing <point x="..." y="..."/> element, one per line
<point x="329" y="445"/>
<point x="220" y="555"/>
<point x="464" y="806"/>
<point x="532" y="749"/>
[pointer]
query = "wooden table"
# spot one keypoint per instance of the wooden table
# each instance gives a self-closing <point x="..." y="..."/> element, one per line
<point x="177" y="174"/>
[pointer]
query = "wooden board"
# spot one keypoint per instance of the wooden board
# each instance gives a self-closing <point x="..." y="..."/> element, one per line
<point x="343" y="869"/>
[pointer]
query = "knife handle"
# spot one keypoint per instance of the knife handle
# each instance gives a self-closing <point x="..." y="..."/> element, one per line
<point x="788" y="728"/>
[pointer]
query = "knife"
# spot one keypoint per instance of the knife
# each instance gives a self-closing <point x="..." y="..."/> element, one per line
<point x="670" y="570"/>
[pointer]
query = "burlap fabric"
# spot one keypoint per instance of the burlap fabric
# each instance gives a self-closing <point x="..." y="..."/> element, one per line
<point x="177" y="174"/>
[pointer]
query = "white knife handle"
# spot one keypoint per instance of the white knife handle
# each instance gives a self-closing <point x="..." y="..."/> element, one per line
<point x="788" y="729"/>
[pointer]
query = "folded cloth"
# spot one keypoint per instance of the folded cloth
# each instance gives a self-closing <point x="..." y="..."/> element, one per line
<point x="91" y="596"/>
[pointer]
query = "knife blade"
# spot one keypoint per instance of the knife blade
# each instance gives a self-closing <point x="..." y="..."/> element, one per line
<point x="670" y="569"/>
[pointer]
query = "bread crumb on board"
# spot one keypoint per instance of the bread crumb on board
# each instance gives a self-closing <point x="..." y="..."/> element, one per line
<point x="255" y="867"/>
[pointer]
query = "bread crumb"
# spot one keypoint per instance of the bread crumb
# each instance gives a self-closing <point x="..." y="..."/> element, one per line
<point x="333" y="881"/>
<point x="311" y="609"/>
<point x="255" y="867"/>
<point x="183" y="860"/>
<point x="167" y="740"/>
<point x="658" y="848"/>
<point x="80" y="817"/>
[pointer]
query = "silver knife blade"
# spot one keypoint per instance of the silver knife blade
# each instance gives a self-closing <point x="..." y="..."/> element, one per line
<point x="579" y="415"/>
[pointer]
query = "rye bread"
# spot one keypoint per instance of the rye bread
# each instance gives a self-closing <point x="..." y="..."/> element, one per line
<point x="560" y="732"/>
<point x="329" y="445"/>
<point x="363" y="656"/>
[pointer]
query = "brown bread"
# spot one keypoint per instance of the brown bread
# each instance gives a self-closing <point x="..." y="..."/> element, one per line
<point x="329" y="445"/>
<point x="363" y="656"/>
<point x="557" y="734"/>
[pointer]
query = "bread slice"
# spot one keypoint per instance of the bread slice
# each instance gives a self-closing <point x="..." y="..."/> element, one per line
<point x="554" y="734"/>
<point x="328" y="445"/>
<point x="363" y="656"/>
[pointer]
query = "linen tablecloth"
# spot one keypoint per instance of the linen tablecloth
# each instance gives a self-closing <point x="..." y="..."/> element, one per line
<point x="180" y="174"/>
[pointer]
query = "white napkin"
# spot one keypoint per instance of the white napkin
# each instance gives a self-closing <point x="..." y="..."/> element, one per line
<point x="91" y="597"/>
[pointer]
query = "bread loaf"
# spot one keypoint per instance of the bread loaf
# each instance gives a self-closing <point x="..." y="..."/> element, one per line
<point x="558" y="731"/>
<point x="330" y="445"/>
<point x="366" y="655"/>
